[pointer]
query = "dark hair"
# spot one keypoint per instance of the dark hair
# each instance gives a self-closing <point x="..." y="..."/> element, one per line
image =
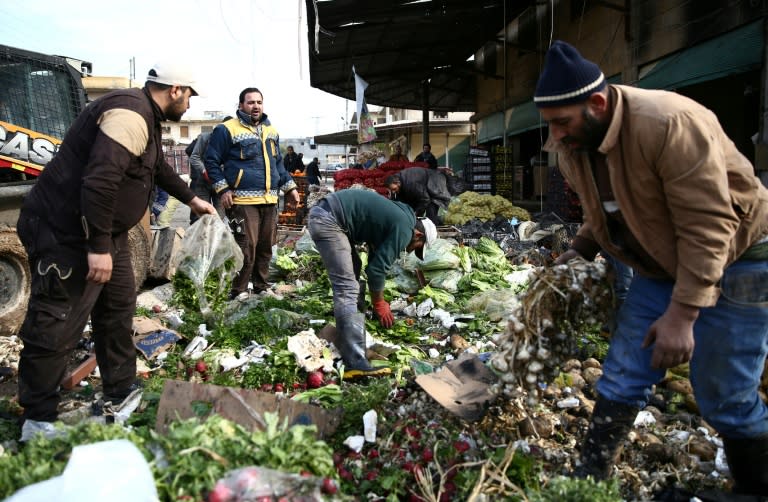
<point x="152" y="85"/>
<point x="248" y="90"/>
<point x="427" y="144"/>
<point x="392" y="178"/>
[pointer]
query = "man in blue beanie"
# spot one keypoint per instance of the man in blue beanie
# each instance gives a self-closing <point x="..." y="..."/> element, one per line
<point x="665" y="191"/>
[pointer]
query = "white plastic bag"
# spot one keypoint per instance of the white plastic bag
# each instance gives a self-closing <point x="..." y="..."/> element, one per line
<point x="208" y="246"/>
<point x="110" y="470"/>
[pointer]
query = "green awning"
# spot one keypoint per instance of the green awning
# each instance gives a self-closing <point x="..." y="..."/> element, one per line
<point x="490" y="128"/>
<point x="524" y="117"/>
<point x="738" y="51"/>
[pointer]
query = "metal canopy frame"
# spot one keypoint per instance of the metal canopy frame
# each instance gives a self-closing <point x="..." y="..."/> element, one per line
<point x="413" y="54"/>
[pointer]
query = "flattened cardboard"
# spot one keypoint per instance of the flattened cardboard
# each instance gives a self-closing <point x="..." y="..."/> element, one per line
<point x="182" y="400"/>
<point x="143" y="325"/>
<point x="151" y="337"/>
<point x="461" y="386"/>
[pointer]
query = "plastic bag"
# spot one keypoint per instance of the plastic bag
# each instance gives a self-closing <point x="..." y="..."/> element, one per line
<point x="496" y="303"/>
<point x="282" y="319"/>
<point x="445" y="279"/>
<point x="260" y="483"/>
<point x="208" y="247"/>
<point x="440" y="255"/>
<point x="110" y="470"/>
<point x="305" y="244"/>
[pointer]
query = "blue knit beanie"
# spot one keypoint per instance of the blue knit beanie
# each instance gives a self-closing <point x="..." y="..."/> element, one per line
<point x="567" y="77"/>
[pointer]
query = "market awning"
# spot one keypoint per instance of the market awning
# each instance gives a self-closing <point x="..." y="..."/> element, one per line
<point x="386" y="132"/>
<point x="398" y="45"/>
<point x="738" y="51"/>
<point x="524" y="117"/>
<point x="490" y="128"/>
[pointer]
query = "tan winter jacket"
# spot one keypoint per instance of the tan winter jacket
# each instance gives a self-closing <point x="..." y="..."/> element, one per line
<point x="685" y="191"/>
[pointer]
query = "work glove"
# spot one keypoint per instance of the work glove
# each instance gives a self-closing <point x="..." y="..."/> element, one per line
<point x="385" y="314"/>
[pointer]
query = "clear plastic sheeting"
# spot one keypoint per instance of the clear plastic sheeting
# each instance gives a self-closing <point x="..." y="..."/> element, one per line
<point x="208" y="247"/>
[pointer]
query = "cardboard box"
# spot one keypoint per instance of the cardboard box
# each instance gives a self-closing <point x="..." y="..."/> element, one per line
<point x="182" y="400"/>
<point x="462" y="386"/>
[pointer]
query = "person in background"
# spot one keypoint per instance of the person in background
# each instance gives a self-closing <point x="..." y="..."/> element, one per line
<point x="291" y="160"/>
<point x="246" y="169"/>
<point x="201" y="183"/>
<point x="301" y="165"/>
<point x="426" y="156"/>
<point x="313" y="172"/>
<point x="74" y="226"/>
<point x="424" y="190"/>
<point x="399" y="156"/>
<point x="339" y="222"/>
<point x="665" y="191"/>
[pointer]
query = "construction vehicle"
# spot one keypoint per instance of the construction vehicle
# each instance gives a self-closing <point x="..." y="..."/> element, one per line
<point x="40" y="96"/>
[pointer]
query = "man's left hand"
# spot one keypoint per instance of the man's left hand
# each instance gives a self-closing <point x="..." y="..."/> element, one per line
<point x="672" y="336"/>
<point x="201" y="207"/>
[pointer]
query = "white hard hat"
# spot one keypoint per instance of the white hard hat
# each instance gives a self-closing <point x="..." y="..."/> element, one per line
<point x="174" y="73"/>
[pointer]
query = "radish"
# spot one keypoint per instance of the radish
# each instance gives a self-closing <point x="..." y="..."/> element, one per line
<point x="329" y="486"/>
<point x="315" y="380"/>
<point x="200" y="366"/>
<point x="220" y="493"/>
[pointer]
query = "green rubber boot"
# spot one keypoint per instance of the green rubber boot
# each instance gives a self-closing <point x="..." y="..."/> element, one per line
<point x="350" y="340"/>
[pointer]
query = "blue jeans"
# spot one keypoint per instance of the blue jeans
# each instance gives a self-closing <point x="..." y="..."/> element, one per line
<point x="622" y="277"/>
<point x="731" y="343"/>
<point x="339" y="257"/>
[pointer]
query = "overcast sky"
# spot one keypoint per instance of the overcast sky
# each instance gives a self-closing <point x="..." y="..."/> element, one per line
<point x="233" y="43"/>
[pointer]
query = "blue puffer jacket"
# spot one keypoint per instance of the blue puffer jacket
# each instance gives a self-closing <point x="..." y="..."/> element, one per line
<point x="251" y="159"/>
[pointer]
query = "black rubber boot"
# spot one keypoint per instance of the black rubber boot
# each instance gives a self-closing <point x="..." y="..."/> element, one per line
<point x="748" y="463"/>
<point x="608" y="428"/>
<point x="361" y="304"/>
<point x="350" y="340"/>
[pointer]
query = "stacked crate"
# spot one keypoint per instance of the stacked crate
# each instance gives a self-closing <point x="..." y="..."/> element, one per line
<point x="506" y="177"/>
<point x="478" y="172"/>
<point x="297" y="215"/>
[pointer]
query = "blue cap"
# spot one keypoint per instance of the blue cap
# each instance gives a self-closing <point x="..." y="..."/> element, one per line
<point x="567" y="77"/>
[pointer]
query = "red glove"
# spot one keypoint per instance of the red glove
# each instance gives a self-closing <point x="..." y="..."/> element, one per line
<point x="385" y="314"/>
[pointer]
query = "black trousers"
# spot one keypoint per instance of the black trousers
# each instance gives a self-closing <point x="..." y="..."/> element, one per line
<point x="60" y="303"/>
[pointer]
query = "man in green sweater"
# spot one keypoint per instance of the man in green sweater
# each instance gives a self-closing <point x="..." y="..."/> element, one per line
<point x="337" y="224"/>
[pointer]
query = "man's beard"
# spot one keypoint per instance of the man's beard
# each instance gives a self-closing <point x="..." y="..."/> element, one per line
<point x="591" y="135"/>
<point x="176" y="110"/>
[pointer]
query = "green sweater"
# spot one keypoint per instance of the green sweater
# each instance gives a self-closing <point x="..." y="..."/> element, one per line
<point x="386" y="226"/>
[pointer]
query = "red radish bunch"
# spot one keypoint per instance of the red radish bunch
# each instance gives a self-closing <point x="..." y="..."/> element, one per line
<point x="315" y="380"/>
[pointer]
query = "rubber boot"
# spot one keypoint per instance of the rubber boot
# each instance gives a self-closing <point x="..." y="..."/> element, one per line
<point x="748" y="463"/>
<point x="608" y="428"/>
<point x="361" y="305"/>
<point x="350" y="340"/>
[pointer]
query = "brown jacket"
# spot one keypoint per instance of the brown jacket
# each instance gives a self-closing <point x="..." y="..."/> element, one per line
<point x="685" y="191"/>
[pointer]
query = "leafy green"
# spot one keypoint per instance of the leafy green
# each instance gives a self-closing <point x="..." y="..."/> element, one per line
<point x="563" y="489"/>
<point x="441" y="297"/>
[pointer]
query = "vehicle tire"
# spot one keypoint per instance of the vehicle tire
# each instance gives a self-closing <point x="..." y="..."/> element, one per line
<point x="15" y="281"/>
<point x="138" y="242"/>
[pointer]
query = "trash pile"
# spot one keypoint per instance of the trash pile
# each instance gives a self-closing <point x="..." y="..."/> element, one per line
<point x="494" y="353"/>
